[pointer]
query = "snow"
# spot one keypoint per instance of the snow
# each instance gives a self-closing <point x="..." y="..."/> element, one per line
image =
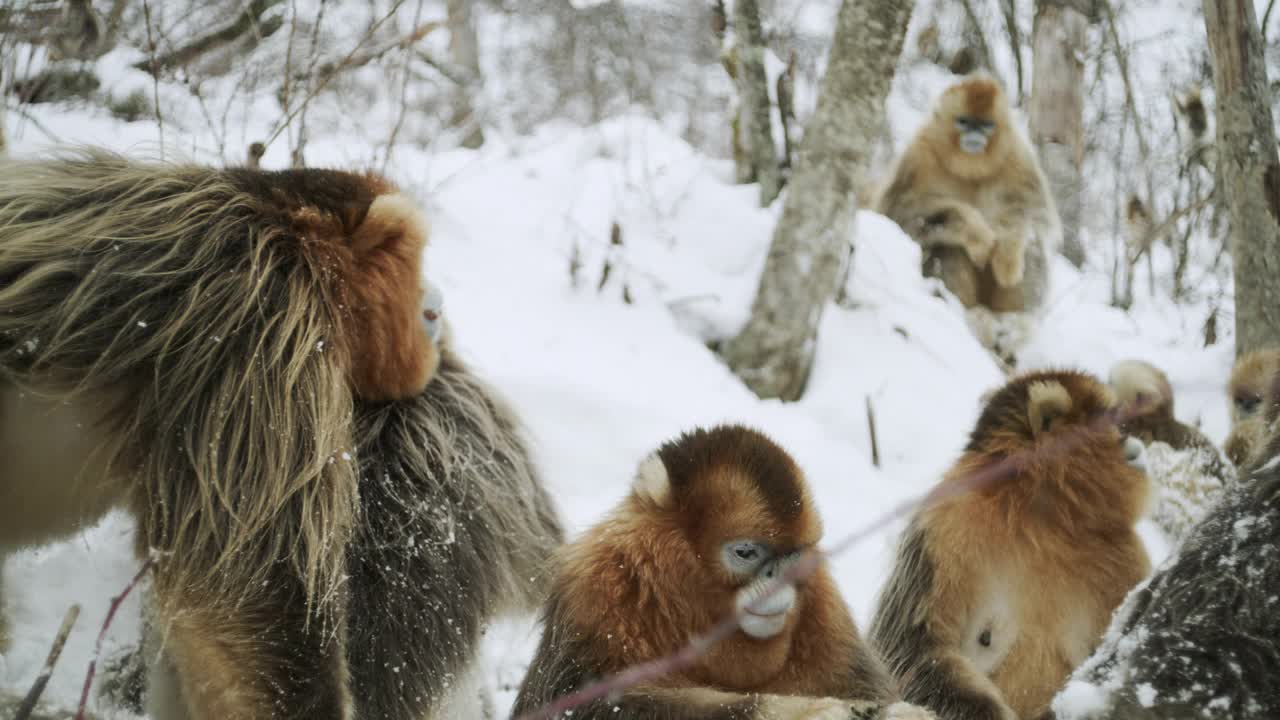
<point x="599" y="382"/>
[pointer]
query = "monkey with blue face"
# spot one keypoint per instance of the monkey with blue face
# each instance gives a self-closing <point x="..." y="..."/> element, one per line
<point x="969" y="190"/>
<point x="712" y="522"/>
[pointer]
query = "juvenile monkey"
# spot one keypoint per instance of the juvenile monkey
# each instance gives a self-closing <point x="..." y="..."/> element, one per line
<point x="969" y="190"/>
<point x="1251" y="380"/>
<point x="1187" y="469"/>
<point x="712" y="517"/>
<point x="999" y="592"/>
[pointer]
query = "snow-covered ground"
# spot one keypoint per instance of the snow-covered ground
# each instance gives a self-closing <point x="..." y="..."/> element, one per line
<point x="600" y="382"/>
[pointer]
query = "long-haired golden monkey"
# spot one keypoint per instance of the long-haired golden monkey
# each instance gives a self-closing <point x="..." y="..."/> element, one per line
<point x="999" y="592"/>
<point x="712" y="517"/>
<point x="1251" y="380"/>
<point x="969" y="190"/>
<point x="1186" y="468"/>
<point x="186" y="343"/>
<point x="455" y="528"/>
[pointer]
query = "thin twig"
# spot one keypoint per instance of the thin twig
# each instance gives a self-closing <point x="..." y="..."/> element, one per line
<point x="330" y="71"/>
<point x="37" y="688"/>
<point x="404" y="97"/>
<point x="871" y="429"/>
<point x="116" y="602"/>
<point x="155" y="75"/>
<point x="1266" y="18"/>
<point x="1131" y="103"/>
<point x="1009" y="10"/>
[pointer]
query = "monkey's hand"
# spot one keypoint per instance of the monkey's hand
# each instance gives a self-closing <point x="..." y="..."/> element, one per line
<point x="962" y="225"/>
<point x="906" y="711"/>
<point x="1007" y="261"/>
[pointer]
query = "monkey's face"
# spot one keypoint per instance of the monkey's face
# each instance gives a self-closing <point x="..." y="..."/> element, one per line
<point x="1058" y="423"/>
<point x="765" y="602"/>
<point x="742" y="509"/>
<point x="1251" y="380"/>
<point x="971" y="113"/>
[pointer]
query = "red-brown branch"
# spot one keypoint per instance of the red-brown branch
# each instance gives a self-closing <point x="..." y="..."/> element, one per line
<point x="116" y="602"/>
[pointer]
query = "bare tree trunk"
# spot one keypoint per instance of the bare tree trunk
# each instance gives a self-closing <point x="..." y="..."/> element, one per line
<point x="464" y="52"/>
<point x="1009" y="9"/>
<point x="1250" y="168"/>
<point x="811" y="243"/>
<point x="1057" y="108"/>
<point x="753" y="93"/>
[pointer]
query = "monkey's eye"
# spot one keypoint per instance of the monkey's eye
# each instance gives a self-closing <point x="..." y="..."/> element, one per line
<point x="1248" y="403"/>
<point x="744" y="556"/>
<point x="966" y="123"/>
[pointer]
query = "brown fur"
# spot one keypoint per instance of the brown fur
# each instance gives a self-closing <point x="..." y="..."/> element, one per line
<point x="1247" y="393"/>
<point x="1190" y="472"/>
<point x="645" y="580"/>
<point x="1146" y="405"/>
<point x="193" y="336"/>
<point x="999" y="592"/>
<point x="985" y="221"/>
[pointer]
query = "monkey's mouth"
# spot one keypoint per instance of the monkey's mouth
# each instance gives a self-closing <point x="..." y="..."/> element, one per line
<point x="763" y="626"/>
<point x="764" y="617"/>
<point x="973" y="142"/>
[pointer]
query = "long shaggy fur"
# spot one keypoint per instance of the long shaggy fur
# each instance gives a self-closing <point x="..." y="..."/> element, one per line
<point x="456" y="528"/>
<point x="236" y="439"/>
<point x="199" y="335"/>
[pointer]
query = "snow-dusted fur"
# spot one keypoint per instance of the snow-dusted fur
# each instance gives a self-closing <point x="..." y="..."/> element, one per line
<point x="1202" y="637"/>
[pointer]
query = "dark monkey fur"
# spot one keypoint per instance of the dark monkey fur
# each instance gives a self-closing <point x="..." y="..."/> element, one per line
<point x="1201" y="639"/>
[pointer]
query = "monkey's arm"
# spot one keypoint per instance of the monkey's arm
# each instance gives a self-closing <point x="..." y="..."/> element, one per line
<point x="914" y="630"/>
<point x="934" y="218"/>
<point x="1025" y="213"/>
<point x="564" y="664"/>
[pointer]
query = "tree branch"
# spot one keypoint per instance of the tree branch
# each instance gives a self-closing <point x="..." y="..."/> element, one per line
<point x="247" y="20"/>
<point x="28" y="705"/>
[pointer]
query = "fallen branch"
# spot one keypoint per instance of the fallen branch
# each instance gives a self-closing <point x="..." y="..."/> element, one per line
<point x="28" y="704"/>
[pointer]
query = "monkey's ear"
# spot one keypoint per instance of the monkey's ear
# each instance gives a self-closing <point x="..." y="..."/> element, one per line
<point x="1046" y="402"/>
<point x="393" y="222"/>
<point x="652" y="484"/>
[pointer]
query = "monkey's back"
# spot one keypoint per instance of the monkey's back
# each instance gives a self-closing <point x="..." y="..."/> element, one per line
<point x="456" y="528"/>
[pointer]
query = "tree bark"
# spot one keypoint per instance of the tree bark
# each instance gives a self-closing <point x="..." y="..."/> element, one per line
<point x="756" y="111"/>
<point x="811" y="243"/>
<point x="1057" y="109"/>
<point x="464" y="53"/>
<point x="1250" y="170"/>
